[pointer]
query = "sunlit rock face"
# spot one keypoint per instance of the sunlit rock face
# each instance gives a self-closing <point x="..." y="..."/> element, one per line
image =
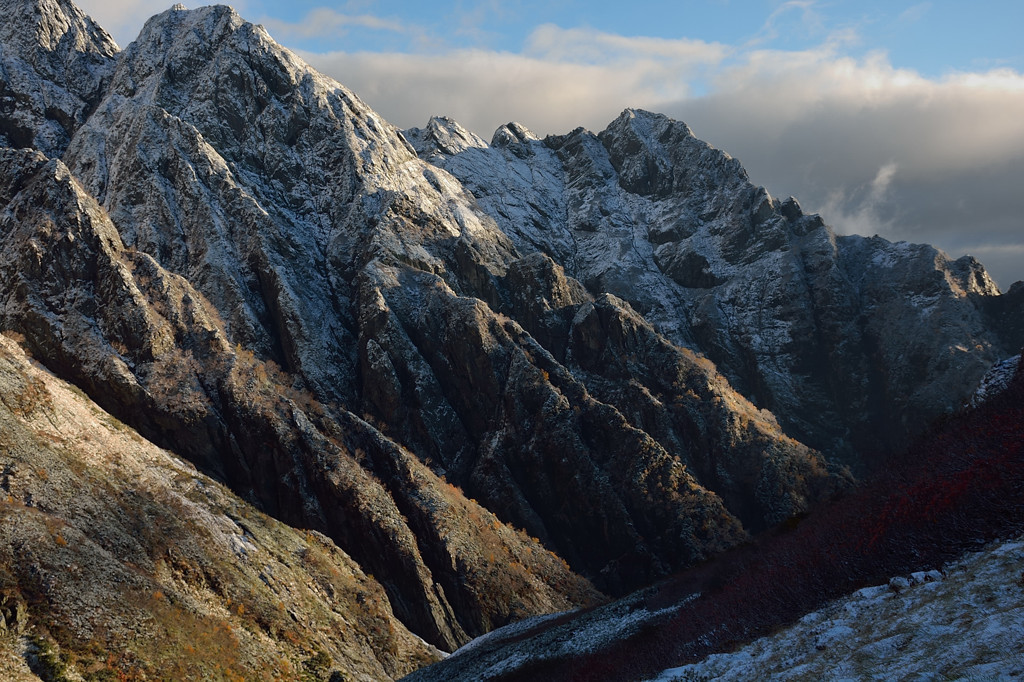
<point x="54" y="64"/>
<point x="331" y="249"/>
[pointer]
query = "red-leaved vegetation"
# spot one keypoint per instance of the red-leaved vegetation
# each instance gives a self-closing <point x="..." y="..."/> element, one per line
<point x="956" y="488"/>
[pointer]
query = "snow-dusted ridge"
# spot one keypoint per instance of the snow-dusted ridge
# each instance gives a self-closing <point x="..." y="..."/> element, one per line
<point x="788" y="310"/>
<point x="996" y="379"/>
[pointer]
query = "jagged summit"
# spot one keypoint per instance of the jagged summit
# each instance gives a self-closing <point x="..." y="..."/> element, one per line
<point x="52" y="25"/>
<point x="650" y="213"/>
<point x="442" y="135"/>
<point x="511" y="134"/>
<point x="292" y="177"/>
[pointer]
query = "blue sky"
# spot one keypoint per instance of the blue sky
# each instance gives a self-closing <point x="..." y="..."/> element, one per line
<point x="931" y="37"/>
<point x="899" y="118"/>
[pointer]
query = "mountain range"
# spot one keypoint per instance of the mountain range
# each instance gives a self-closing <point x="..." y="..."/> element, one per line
<point x="339" y="397"/>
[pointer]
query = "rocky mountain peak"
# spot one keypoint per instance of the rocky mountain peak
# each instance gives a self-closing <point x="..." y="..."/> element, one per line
<point x="442" y="135"/>
<point x="512" y="134"/>
<point x="650" y="152"/>
<point x="648" y="212"/>
<point x="52" y="25"/>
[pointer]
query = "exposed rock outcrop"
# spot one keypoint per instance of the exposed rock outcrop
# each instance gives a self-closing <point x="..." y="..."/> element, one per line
<point x="54" y="64"/>
<point x="156" y="353"/>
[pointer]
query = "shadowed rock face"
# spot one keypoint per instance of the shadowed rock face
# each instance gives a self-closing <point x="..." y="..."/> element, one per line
<point x="241" y="260"/>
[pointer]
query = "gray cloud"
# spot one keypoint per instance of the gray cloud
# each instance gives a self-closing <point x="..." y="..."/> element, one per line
<point x="563" y="79"/>
<point x="952" y="150"/>
<point x="484" y="90"/>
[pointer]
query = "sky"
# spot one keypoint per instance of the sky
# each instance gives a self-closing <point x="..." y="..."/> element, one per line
<point x="902" y="118"/>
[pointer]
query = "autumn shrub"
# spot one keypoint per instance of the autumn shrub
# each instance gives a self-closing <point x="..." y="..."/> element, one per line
<point x="45" y="661"/>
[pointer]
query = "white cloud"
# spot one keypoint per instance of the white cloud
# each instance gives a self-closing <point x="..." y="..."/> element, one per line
<point x="874" y="148"/>
<point x="849" y="214"/>
<point x="323" y="22"/>
<point x="821" y="125"/>
<point x="484" y="89"/>
<point x="914" y="13"/>
<point x="563" y="79"/>
<point x="587" y="45"/>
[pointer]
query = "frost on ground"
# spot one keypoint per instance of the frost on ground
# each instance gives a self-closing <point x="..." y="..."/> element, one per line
<point x="965" y="622"/>
<point x="507" y="631"/>
<point x="509" y="650"/>
<point x="996" y="380"/>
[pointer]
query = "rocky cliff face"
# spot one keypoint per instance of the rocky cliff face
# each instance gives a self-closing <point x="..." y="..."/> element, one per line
<point x="127" y="330"/>
<point x="765" y="611"/>
<point x="331" y="249"/>
<point x="416" y="343"/>
<point x="54" y="64"/>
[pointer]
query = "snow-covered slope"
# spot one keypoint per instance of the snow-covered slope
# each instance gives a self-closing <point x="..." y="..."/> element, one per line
<point x="54" y="63"/>
<point x="996" y="379"/>
<point x="266" y="184"/>
<point x="963" y="622"/>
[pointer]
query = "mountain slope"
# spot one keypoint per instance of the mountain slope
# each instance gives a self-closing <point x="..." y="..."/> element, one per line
<point x="328" y="247"/>
<point x="957" y="488"/>
<point x="963" y="623"/>
<point x="118" y="557"/>
<point x="125" y="329"/>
